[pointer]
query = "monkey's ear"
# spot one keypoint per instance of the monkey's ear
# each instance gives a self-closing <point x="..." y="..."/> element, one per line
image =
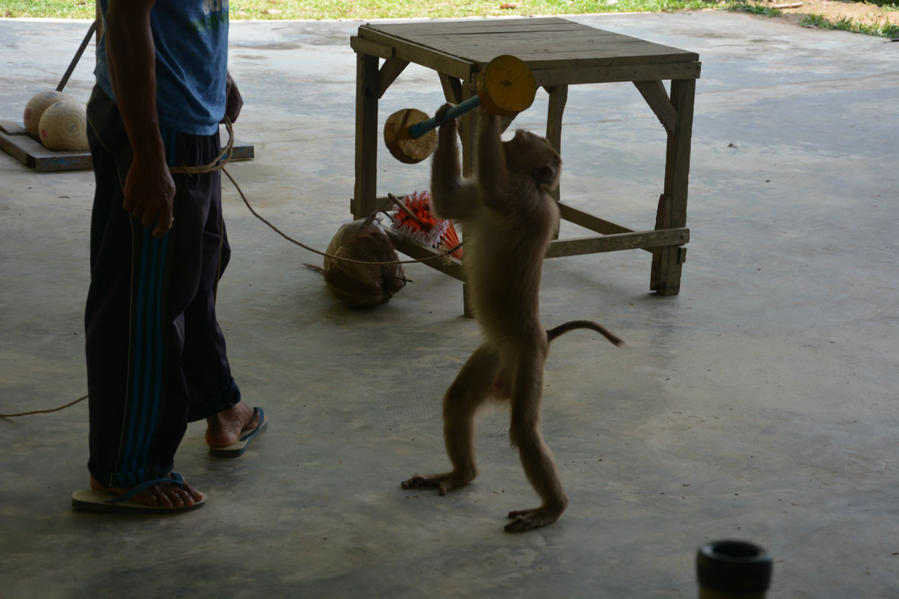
<point x="544" y="175"/>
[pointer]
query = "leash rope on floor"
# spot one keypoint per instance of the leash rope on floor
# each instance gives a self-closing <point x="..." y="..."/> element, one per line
<point x="68" y="405"/>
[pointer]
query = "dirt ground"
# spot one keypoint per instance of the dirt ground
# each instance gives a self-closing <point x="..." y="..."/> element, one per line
<point x="833" y="10"/>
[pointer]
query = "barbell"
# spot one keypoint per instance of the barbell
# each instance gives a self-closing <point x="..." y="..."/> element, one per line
<point x="506" y="87"/>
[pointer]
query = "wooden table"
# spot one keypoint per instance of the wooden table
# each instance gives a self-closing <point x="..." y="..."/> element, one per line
<point x="560" y="53"/>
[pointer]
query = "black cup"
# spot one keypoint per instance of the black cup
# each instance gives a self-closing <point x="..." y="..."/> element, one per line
<point x="733" y="569"/>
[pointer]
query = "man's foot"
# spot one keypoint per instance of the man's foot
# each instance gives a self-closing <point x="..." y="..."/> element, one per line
<point x="228" y="426"/>
<point x="161" y="497"/>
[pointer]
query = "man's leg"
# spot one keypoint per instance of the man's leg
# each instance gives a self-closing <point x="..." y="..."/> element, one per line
<point x="213" y="393"/>
<point x="135" y="427"/>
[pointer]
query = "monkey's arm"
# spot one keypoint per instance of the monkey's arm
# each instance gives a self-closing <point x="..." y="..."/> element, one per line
<point x="451" y="195"/>
<point x="492" y="172"/>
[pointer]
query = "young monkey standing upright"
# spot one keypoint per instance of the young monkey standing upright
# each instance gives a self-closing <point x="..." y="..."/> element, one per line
<point x="508" y="217"/>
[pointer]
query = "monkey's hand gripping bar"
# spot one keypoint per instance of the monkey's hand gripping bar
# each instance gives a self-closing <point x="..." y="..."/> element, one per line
<point x="420" y="128"/>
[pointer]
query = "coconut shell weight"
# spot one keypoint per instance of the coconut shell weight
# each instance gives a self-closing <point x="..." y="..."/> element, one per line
<point x="367" y="283"/>
<point x="400" y="142"/>
<point x="35" y="108"/>
<point x="63" y="126"/>
<point x="506" y="87"/>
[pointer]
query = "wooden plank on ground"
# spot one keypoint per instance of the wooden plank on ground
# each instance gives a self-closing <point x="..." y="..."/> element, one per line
<point x="27" y="150"/>
<point x="18" y="144"/>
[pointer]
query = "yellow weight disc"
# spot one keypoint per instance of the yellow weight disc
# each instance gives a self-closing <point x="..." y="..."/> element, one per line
<point x="506" y="86"/>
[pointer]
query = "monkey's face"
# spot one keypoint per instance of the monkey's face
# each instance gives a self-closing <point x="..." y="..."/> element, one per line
<point x="532" y="154"/>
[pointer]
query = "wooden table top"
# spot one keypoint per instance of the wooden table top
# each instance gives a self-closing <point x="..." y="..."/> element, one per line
<point x="545" y="44"/>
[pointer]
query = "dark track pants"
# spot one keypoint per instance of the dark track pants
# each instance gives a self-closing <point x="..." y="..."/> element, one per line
<point x="155" y="353"/>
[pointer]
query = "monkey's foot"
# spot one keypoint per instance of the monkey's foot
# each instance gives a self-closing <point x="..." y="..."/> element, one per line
<point x="442" y="482"/>
<point x="524" y="520"/>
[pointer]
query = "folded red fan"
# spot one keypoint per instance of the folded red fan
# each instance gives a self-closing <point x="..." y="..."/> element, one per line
<point x="417" y="222"/>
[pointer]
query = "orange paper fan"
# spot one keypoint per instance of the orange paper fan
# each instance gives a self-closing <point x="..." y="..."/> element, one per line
<point x="419" y="223"/>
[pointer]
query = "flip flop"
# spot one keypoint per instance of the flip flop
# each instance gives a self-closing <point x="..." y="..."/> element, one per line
<point x="102" y="500"/>
<point x="237" y="449"/>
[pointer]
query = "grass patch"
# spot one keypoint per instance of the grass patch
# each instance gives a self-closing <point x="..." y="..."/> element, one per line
<point x="887" y="30"/>
<point x="59" y="9"/>
<point x="406" y="9"/>
<point x="375" y="9"/>
<point x="754" y="9"/>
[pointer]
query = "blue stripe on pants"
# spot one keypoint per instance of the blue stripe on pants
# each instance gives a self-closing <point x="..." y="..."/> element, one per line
<point x="127" y="464"/>
<point x="146" y="385"/>
<point x="155" y="393"/>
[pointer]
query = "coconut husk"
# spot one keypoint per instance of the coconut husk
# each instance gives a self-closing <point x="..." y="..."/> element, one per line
<point x="362" y="285"/>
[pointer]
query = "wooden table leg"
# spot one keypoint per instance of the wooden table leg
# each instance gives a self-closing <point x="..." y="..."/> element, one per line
<point x="469" y="126"/>
<point x="365" y="192"/>
<point x="558" y="97"/>
<point x="672" y="211"/>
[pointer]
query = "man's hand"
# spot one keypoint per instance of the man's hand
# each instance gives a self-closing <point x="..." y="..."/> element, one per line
<point x="234" y="100"/>
<point x="149" y="191"/>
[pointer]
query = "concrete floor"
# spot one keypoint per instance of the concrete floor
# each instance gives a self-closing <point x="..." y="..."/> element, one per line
<point x="760" y="403"/>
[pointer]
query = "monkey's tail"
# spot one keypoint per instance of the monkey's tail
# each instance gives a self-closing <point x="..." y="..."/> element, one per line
<point x="583" y="324"/>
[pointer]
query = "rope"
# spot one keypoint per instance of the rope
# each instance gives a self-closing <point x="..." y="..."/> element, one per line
<point x="70" y="404"/>
<point x="219" y="165"/>
<point x="325" y="254"/>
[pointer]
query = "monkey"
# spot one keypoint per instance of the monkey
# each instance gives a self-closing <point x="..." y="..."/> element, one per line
<point x="508" y="218"/>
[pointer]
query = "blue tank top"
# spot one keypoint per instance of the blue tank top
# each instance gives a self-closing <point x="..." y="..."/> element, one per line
<point x="191" y="38"/>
